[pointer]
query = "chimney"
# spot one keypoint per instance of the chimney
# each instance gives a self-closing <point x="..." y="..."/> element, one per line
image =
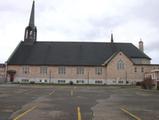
<point x="141" y="45"/>
<point x="112" y="39"/>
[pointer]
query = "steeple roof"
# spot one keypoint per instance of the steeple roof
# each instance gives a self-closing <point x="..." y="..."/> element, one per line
<point x="31" y="22"/>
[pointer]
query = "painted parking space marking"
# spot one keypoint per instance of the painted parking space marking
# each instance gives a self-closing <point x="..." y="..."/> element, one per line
<point x="130" y="114"/>
<point x="79" y="113"/>
<point x="143" y="94"/>
<point x="24" y="113"/>
<point x="30" y="109"/>
<point x="51" y="93"/>
<point x="71" y="93"/>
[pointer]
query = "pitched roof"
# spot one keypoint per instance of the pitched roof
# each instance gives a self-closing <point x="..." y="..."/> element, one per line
<point x="70" y="53"/>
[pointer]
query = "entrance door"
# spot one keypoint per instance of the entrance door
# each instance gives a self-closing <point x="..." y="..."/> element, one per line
<point x="11" y="77"/>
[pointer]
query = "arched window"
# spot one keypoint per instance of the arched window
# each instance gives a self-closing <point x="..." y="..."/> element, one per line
<point x="26" y="34"/>
<point x="120" y="65"/>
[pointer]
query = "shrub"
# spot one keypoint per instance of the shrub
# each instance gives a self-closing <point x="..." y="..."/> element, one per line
<point x="71" y="83"/>
<point x="32" y="82"/>
<point x="158" y="85"/>
<point x="147" y="83"/>
<point x="138" y="83"/>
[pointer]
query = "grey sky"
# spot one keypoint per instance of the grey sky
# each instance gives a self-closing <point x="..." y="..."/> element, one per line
<point x="82" y="20"/>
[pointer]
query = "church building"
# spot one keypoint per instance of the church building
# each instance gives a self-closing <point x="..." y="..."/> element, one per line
<point x="102" y="63"/>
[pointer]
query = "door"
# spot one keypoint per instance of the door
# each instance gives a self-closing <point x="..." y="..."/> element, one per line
<point x="11" y="77"/>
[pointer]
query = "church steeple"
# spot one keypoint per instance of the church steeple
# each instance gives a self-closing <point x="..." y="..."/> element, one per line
<point x="30" y="30"/>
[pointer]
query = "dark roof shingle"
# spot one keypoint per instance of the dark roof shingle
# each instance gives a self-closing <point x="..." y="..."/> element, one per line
<point x="71" y="53"/>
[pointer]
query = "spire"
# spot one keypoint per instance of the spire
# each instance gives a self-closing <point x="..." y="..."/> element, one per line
<point x="31" y="22"/>
<point x="112" y="39"/>
<point x="31" y="31"/>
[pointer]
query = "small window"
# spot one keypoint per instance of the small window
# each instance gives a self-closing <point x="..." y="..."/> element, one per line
<point x="61" y="81"/>
<point x="80" y="81"/>
<point x="25" y="80"/>
<point x="45" y="81"/>
<point x="98" y="82"/>
<point x="121" y="82"/>
<point x="40" y="80"/>
<point x="114" y="81"/>
<point x="135" y="70"/>
<point x="142" y="69"/>
<point x="98" y="70"/>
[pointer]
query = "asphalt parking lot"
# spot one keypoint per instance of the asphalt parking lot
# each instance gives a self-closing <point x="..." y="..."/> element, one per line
<point x="41" y="102"/>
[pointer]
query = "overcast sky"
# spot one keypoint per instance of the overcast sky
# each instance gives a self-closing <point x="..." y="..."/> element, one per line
<point x="82" y="20"/>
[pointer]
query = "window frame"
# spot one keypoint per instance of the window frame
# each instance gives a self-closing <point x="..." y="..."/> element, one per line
<point x="98" y="70"/>
<point x="120" y="65"/>
<point x="142" y="69"/>
<point x="135" y="69"/>
<point x="44" y="70"/>
<point x="61" y="81"/>
<point x="80" y="70"/>
<point x="25" y="69"/>
<point x="80" y="82"/>
<point x="98" y="82"/>
<point x="62" y="70"/>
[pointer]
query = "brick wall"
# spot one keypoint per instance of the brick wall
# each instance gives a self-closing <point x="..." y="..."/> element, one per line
<point x="110" y="73"/>
<point x="2" y="73"/>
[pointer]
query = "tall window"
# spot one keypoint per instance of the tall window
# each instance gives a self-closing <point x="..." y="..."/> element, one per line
<point x="25" y="69"/>
<point x="142" y="69"/>
<point x="135" y="69"/>
<point x="62" y="70"/>
<point x="120" y="65"/>
<point x="43" y="70"/>
<point x="98" y="70"/>
<point x="80" y="70"/>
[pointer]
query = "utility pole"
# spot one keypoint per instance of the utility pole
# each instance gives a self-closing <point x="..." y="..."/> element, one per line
<point x="88" y="77"/>
<point x="50" y="76"/>
<point x="126" y="77"/>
